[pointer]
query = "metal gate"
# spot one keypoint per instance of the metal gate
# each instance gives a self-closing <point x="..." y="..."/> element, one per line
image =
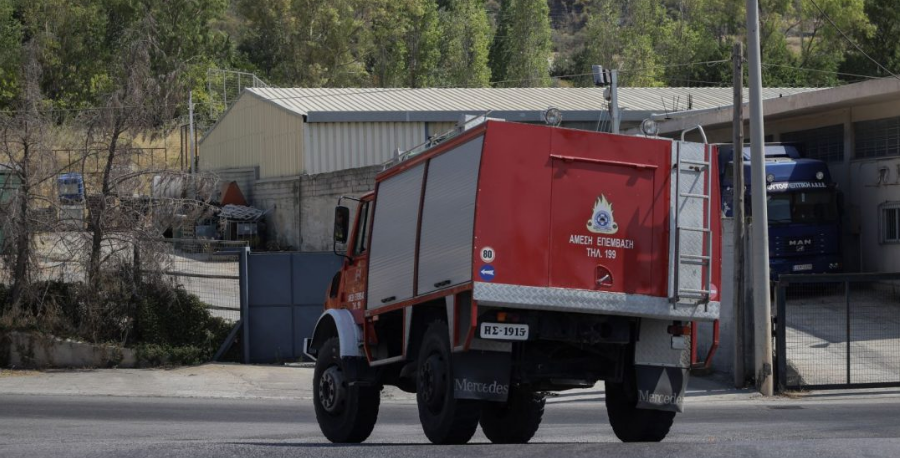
<point x="285" y="293"/>
<point x="838" y="331"/>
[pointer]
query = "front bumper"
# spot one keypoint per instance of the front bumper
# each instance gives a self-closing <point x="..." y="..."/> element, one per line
<point x="805" y="265"/>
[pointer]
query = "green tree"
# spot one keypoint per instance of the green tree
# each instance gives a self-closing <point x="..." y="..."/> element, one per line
<point x="405" y="43"/>
<point x="522" y="45"/>
<point x="465" y="45"/>
<point x="74" y="44"/>
<point x="602" y="44"/>
<point x="881" y="44"/>
<point x="10" y="53"/>
<point x="498" y="57"/>
<point x="308" y="42"/>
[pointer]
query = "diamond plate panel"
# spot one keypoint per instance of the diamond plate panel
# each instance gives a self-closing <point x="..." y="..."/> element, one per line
<point x="654" y="346"/>
<point x="584" y="301"/>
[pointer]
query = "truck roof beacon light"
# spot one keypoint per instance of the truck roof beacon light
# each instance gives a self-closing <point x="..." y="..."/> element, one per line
<point x="649" y="127"/>
<point x="552" y="116"/>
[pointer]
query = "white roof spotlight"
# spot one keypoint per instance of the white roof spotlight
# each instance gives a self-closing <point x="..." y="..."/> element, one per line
<point x="649" y="127"/>
<point x="552" y="116"/>
<point x="820" y="175"/>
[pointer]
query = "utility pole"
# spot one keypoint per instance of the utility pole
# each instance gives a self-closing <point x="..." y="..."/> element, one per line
<point x="737" y="211"/>
<point x="762" y="321"/>
<point x="603" y="77"/>
<point x="614" y="100"/>
<point x="191" y="123"/>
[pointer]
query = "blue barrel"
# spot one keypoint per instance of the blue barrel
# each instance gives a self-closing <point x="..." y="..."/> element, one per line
<point x="71" y="188"/>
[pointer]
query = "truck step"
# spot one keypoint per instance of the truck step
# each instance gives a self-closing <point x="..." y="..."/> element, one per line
<point x="694" y="196"/>
<point x="692" y="162"/>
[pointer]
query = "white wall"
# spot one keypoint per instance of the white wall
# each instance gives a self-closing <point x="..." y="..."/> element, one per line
<point x="868" y="195"/>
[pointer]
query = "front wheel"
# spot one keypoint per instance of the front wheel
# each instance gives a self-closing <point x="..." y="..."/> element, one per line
<point x="346" y="414"/>
<point x="630" y="423"/>
<point x="445" y="419"/>
<point x="514" y="421"/>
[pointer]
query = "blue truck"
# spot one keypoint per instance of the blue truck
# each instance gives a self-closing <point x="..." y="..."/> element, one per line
<point x="804" y="207"/>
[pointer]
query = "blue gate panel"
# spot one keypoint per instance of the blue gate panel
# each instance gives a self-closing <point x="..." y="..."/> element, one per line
<point x="312" y="276"/>
<point x="271" y="335"/>
<point x="270" y="279"/>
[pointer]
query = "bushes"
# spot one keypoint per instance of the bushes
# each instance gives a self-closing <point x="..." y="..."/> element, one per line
<point x="169" y="320"/>
<point x="164" y="323"/>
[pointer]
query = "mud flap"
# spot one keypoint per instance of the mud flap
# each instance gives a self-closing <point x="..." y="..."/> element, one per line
<point x="481" y="375"/>
<point x="660" y="387"/>
<point x="661" y="363"/>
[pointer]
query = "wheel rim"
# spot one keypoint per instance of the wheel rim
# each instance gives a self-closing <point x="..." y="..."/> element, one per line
<point x="332" y="390"/>
<point x="433" y="382"/>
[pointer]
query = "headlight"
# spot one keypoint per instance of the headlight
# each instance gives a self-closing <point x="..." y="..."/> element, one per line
<point x="552" y="116"/>
<point x="649" y="127"/>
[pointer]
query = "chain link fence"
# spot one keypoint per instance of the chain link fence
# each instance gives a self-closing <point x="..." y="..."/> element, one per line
<point x="204" y="268"/>
<point x="838" y="331"/>
<point x="208" y="270"/>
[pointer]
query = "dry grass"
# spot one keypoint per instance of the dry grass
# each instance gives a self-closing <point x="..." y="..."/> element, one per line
<point x="10" y="373"/>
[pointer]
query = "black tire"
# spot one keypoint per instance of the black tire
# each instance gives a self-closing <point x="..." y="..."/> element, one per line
<point x="515" y="421"/>
<point x="445" y="419"/>
<point x="630" y="423"/>
<point x="346" y="414"/>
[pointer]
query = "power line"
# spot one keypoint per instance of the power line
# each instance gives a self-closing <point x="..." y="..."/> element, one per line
<point x="689" y="64"/>
<point x="821" y="71"/>
<point x="858" y="48"/>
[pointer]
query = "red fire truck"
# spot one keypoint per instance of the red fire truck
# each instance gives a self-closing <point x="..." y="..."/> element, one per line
<point x="513" y="260"/>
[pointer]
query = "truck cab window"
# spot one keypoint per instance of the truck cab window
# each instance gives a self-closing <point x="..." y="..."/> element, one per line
<point x="362" y="229"/>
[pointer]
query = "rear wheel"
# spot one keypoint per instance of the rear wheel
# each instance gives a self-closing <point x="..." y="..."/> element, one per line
<point x="630" y="423"/>
<point x="514" y="421"/>
<point x="445" y="419"/>
<point x="346" y="414"/>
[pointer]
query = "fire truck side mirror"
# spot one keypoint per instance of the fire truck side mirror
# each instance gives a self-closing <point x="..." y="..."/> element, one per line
<point x="341" y="224"/>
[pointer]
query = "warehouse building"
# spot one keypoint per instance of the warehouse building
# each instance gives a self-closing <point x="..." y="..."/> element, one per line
<point x="854" y="128"/>
<point x="293" y="152"/>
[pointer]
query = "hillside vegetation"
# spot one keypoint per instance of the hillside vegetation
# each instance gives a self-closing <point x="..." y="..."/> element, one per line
<point x="435" y="43"/>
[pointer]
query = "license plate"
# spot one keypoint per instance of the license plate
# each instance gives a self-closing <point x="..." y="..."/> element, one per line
<point x="802" y="267"/>
<point x="503" y="331"/>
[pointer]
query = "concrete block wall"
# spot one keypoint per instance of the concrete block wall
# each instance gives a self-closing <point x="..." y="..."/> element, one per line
<point x="280" y="197"/>
<point x="723" y="359"/>
<point x="319" y="195"/>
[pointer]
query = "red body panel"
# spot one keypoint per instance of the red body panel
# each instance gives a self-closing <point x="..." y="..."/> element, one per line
<point x="511" y="213"/>
<point x="538" y="190"/>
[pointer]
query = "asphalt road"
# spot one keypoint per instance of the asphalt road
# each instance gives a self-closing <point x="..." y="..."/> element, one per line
<point x="63" y="426"/>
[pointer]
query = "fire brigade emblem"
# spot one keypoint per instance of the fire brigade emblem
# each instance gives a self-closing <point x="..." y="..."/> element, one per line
<point x="602" y="221"/>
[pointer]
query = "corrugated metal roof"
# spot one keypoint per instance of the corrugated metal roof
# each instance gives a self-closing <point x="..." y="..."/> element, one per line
<point x="439" y="104"/>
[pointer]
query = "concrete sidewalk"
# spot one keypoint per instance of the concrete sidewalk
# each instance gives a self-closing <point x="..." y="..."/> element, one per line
<point x="235" y="381"/>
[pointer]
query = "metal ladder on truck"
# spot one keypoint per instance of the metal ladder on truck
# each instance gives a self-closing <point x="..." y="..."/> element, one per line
<point x="692" y="270"/>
